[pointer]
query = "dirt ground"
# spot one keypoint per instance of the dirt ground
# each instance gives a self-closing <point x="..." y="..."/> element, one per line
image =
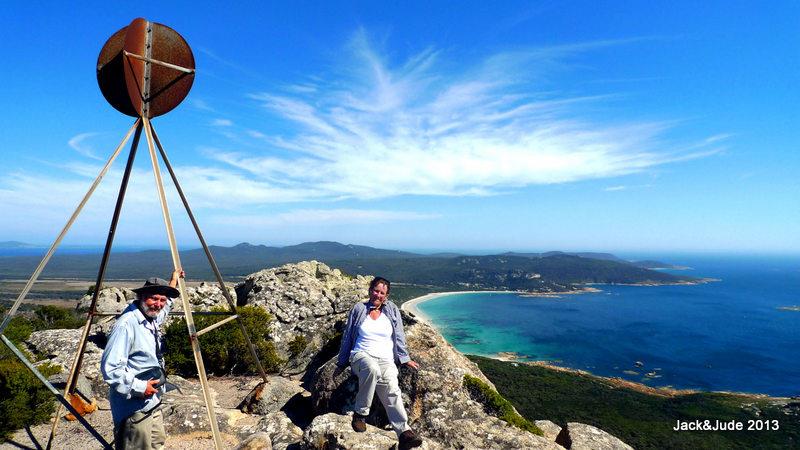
<point x="73" y="436"/>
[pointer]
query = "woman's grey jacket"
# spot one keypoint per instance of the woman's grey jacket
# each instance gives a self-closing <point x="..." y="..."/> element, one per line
<point x="354" y="321"/>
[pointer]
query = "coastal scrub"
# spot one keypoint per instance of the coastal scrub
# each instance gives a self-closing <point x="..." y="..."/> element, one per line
<point x="496" y="405"/>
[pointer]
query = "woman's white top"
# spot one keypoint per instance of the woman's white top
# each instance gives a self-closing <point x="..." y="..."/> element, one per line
<point x="375" y="338"/>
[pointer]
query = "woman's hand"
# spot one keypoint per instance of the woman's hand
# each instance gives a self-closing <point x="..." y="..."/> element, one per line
<point x="413" y="365"/>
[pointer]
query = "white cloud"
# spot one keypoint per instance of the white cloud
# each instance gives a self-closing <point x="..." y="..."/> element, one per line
<point x="201" y="104"/>
<point x="615" y="188"/>
<point x="221" y="123"/>
<point x="79" y="144"/>
<point x="324" y="216"/>
<point x="381" y="130"/>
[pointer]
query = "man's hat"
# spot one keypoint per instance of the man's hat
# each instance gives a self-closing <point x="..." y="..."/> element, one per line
<point x="157" y="286"/>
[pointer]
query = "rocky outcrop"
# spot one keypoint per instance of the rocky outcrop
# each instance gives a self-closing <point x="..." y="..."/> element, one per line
<point x="549" y="429"/>
<point x="110" y="300"/>
<point x="271" y="396"/>
<point x="58" y="347"/>
<point x="309" y="301"/>
<point x="333" y="432"/>
<point x="439" y="406"/>
<point x="579" y="436"/>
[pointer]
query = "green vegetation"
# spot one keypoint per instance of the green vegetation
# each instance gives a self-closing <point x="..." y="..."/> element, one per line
<point x="496" y="405"/>
<point x="549" y="272"/>
<point x="297" y="345"/>
<point x="641" y="420"/>
<point x="224" y="349"/>
<point x="23" y="399"/>
<point x="401" y="293"/>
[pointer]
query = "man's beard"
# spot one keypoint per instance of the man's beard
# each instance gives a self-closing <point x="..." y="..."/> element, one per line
<point x="149" y="314"/>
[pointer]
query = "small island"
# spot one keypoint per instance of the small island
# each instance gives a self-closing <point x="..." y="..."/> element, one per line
<point x="789" y="308"/>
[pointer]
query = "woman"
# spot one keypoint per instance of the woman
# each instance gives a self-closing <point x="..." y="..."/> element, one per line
<point x="373" y="343"/>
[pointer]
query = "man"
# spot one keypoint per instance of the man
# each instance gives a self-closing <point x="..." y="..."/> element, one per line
<point x="133" y="366"/>
<point x="373" y="344"/>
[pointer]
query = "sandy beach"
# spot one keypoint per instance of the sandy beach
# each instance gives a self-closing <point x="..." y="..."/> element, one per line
<point x="411" y="305"/>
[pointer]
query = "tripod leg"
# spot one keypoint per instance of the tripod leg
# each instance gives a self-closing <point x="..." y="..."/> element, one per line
<point x="210" y="257"/>
<point x="57" y="242"/>
<point x="198" y="357"/>
<point x="76" y="364"/>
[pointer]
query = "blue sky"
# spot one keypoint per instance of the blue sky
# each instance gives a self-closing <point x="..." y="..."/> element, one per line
<point x="613" y="126"/>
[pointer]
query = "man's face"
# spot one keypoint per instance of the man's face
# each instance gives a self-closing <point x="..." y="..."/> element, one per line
<point x="378" y="294"/>
<point x="153" y="304"/>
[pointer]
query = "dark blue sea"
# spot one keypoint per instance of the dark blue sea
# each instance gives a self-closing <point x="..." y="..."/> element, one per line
<point x="728" y="335"/>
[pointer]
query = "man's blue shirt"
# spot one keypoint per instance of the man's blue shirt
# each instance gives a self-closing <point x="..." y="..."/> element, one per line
<point x="130" y="359"/>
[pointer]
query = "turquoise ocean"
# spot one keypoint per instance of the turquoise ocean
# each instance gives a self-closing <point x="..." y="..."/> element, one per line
<point x="727" y="335"/>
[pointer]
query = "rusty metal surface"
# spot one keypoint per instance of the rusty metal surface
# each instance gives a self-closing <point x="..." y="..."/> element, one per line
<point x="122" y="79"/>
<point x="111" y="74"/>
<point x="135" y="42"/>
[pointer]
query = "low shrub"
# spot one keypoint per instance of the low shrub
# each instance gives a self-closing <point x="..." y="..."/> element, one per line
<point x="24" y="401"/>
<point x="297" y="345"/>
<point x="224" y="349"/>
<point x="496" y="405"/>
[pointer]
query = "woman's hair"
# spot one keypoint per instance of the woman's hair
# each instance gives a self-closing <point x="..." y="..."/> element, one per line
<point x="380" y="280"/>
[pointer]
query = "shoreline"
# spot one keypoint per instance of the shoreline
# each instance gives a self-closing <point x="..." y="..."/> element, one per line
<point x="411" y="306"/>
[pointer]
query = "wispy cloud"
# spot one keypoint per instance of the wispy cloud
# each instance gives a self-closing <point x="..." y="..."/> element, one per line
<point x="201" y="104"/>
<point x="325" y="217"/>
<point x="378" y="129"/>
<point x="626" y="187"/>
<point x="222" y="123"/>
<point x="79" y="144"/>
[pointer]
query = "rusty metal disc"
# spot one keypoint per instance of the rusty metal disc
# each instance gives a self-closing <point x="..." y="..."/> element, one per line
<point x="145" y="69"/>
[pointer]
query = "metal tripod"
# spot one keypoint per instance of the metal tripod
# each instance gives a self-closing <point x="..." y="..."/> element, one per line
<point x="141" y="123"/>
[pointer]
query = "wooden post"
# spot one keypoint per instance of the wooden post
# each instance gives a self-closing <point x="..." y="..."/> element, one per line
<point x="198" y="357"/>
<point x="76" y="362"/>
<point x="210" y="258"/>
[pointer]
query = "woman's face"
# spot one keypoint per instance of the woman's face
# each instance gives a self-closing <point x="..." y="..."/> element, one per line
<point x="378" y="294"/>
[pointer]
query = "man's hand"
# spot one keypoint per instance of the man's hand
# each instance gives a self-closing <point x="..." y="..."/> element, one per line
<point x="413" y="365"/>
<point x="151" y="388"/>
<point x="178" y="273"/>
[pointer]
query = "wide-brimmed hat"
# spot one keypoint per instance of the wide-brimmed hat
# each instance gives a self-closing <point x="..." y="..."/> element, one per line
<point x="157" y="286"/>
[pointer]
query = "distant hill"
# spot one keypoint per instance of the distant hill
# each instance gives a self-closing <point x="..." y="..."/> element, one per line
<point x="550" y="272"/>
<point x="650" y="264"/>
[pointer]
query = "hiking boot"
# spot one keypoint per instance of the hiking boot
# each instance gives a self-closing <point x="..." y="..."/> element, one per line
<point x="409" y="439"/>
<point x="359" y="424"/>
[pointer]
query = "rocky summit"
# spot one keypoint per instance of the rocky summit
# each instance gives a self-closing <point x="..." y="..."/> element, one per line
<point x="309" y="404"/>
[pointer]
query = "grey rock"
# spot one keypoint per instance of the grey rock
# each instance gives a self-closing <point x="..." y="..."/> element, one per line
<point x="110" y="300"/>
<point x="271" y="396"/>
<point x="184" y="407"/>
<point x="439" y="407"/>
<point x="579" y="436"/>
<point x="258" y="441"/>
<point x="307" y="299"/>
<point x="333" y="431"/>
<point x="550" y="429"/>
<point x="59" y="346"/>
<point x="282" y="432"/>
<point x="83" y="387"/>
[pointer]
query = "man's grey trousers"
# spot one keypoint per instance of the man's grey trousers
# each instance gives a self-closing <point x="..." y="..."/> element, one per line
<point x="379" y="376"/>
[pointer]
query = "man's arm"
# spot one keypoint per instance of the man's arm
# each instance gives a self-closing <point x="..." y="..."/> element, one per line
<point x="177" y="273"/>
<point x="114" y="364"/>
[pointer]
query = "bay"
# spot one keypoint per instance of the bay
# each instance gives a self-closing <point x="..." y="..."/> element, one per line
<point x="728" y="335"/>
